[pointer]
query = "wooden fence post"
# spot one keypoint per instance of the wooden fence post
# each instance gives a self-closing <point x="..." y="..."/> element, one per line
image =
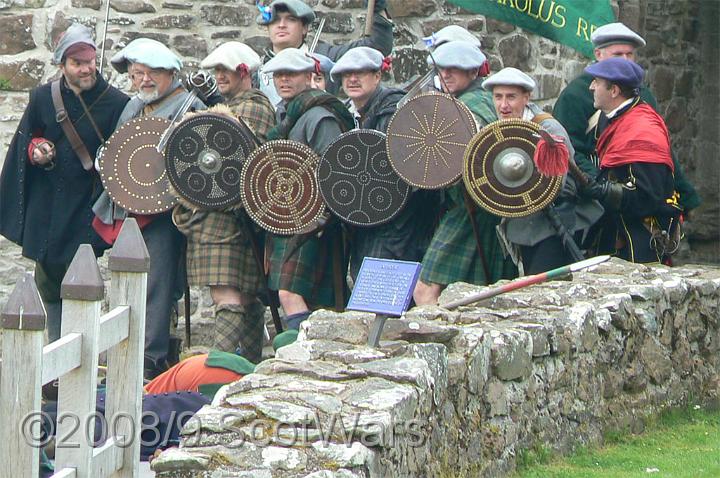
<point x="82" y="291"/>
<point x="23" y="321"/>
<point x="129" y="262"/>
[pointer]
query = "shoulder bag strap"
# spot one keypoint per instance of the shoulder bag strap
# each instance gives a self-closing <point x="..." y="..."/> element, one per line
<point x="61" y="117"/>
<point x="540" y="117"/>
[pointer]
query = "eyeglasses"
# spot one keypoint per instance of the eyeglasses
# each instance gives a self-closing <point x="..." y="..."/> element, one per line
<point x="153" y="74"/>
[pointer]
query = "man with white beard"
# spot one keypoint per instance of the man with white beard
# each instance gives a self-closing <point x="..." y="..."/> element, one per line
<point x="153" y="70"/>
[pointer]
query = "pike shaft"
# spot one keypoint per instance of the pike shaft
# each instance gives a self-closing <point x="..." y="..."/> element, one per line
<point x="526" y="281"/>
<point x="104" y="37"/>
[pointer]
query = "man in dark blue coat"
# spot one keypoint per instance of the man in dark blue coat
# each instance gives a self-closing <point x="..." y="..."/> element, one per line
<point x="46" y="193"/>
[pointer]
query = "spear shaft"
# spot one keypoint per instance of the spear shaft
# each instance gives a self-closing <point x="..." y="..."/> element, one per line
<point x="526" y="281"/>
<point x="105" y="28"/>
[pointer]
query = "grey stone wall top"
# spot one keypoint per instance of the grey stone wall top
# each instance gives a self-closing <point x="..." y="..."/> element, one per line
<point x="557" y="364"/>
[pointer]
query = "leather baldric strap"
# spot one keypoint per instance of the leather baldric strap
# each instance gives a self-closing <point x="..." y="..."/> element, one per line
<point x="593" y="121"/>
<point x="540" y="117"/>
<point x="61" y="117"/>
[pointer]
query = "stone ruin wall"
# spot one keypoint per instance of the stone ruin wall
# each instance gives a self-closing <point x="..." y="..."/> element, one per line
<point x="682" y="58"/>
<point x="465" y="392"/>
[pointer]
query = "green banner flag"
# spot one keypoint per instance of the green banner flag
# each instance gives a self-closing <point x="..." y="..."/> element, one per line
<point x="570" y="22"/>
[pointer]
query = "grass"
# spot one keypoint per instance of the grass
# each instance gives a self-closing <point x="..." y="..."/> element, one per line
<point x="678" y="443"/>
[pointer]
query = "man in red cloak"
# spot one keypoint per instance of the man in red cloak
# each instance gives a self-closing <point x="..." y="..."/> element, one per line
<point x="635" y="183"/>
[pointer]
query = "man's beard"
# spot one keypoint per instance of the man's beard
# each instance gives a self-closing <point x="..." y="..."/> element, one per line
<point x="83" y="84"/>
<point x="148" y="97"/>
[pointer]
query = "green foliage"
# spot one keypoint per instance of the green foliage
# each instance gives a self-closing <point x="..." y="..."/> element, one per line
<point x="539" y="454"/>
<point x="681" y="442"/>
<point x="5" y="84"/>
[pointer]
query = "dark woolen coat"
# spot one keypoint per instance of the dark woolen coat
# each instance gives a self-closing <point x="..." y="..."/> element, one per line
<point x="48" y="212"/>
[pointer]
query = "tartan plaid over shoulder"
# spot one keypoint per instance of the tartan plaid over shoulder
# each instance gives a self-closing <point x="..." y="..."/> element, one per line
<point x="255" y="109"/>
<point x="219" y="251"/>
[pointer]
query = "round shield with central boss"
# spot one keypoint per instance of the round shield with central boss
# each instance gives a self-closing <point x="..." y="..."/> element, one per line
<point x="426" y="140"/>
<point x="357" y="181"/>
<point x="500" y="173"/>
<point x="133" y="171"/>
<point x="279" y="189"/>
<point x="204" y="157"/>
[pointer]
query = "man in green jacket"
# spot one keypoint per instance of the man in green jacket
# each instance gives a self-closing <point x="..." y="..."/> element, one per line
<point x="574" y="108"/>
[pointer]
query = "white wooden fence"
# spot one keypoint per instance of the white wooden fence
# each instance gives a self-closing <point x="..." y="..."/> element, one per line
<point x="73" y="358"/>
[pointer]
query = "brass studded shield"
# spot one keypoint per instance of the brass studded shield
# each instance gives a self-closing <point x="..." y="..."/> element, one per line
<point x="357" y="182"/>
<point x="279" y="189"/>
<point x="133" y="171"/>
<point x="204" y="157"/>
<point x="426" y="140"/>
<point x="500" y="174"/>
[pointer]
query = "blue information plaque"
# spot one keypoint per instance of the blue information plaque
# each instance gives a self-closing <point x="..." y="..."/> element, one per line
<point x="384" y="286"/>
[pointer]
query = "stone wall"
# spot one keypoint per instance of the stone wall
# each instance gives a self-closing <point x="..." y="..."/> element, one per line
<point x="682" y="56"/>
<point x="462" y="393"/>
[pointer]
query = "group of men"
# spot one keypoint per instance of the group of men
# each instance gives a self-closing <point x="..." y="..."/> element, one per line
<point x="51" y="201"/>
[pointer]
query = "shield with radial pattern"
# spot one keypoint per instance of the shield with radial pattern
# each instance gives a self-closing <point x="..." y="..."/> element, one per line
<point x="426" y="140"/>
<point x="204" y="157"/>
<point x="133" y="171"/>
<point x="279" y="189"/>
<point x="500" y="173"/>
<point x="357" y="181"/>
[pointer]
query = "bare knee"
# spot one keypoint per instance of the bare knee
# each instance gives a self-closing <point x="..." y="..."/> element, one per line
<point x="291" y="302"/>
<point x="427" y="294"/>
<point x="227" y="295"/>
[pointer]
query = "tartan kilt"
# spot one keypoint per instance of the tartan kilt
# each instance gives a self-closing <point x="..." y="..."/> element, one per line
<point x="453" y="257"/>
<point x="219" y="251"/>
<point x="308" y="272"/>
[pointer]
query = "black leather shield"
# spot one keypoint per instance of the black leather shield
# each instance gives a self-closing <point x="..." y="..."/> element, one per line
<point x="357" y="181"/>
<point x="279" y="189"/>
<point x="500" y="174"/>
<point x="427" y="137"/>
<point x="204" y="158"/>
<point x="133" y="171"/>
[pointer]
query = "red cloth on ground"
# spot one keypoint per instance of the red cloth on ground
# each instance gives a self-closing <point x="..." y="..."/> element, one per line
<point x="637" y="136"/>
<point x="189" y="375"/>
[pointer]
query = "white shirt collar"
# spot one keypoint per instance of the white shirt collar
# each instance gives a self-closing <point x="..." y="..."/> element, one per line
<point x="622" y="105"/>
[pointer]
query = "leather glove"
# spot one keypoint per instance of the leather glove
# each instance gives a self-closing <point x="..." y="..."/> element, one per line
<point x="608" y="193"/>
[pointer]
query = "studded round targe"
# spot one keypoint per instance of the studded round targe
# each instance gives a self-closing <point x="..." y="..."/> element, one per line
<point x="357" y="181"/>
<point x="133" y="171"/>
<point x="279" y="189"/>
<point x="500" y="174"/>
<point x="426" y="140"/>
<point x="204" y="157"/>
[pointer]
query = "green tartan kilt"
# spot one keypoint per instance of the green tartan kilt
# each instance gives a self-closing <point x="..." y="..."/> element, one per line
<point x="453" y="256"/>
<point x="308" y="272"/>
<point x="219" y="251"/>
